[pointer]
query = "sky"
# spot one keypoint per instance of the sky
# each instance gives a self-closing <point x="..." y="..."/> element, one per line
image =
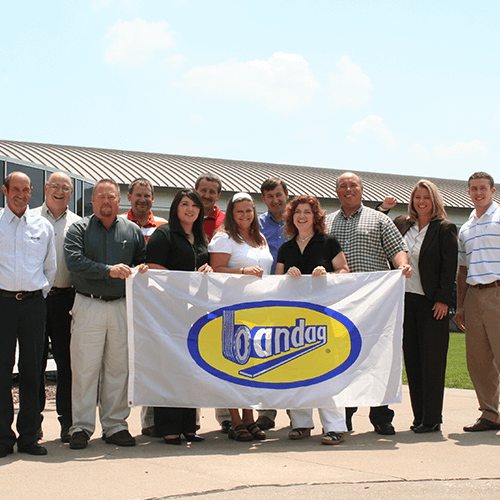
<point x="390" y="86"/>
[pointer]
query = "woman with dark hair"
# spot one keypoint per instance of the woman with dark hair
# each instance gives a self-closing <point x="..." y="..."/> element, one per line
<point x="239" y="248"/>
<point x="179" y="246"/>
<point x="311" y="251"/>
<point x="433" y="253"/>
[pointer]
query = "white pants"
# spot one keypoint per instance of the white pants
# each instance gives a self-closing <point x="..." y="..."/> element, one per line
<point x="99" y="363"/>
<point x="332" y="419"/>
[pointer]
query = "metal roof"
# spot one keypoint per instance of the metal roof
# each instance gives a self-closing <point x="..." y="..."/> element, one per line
<point x="175" y="171"/>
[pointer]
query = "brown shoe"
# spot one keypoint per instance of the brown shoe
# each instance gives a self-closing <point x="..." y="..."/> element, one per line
<point x="150" y="431"/>
<point x="121" y="438"/>
<point x="482" y="424"/>
<point x="79" y="440"/>
<point x="265" y="423"/>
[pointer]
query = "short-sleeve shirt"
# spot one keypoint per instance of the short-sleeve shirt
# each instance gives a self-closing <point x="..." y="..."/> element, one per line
<point x="320" y="251"/>
<point x="479" y="246"/>
<point x="173" y="250"/>
<point x="368" y="238"/>
<point x="241" y="254"/>
<point x="273" y="232"/>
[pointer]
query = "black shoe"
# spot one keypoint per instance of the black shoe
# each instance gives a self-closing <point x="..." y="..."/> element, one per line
<point x="5" y="450"/>
<point x="385" y="429"/>
<point x="79" y="440"/>
<point x="193" y="438"/>
<point x="175" y="440"/>
<point x="65" y="435"/>
<point x="424" y="428"/>
<point x="33" y="449"/>
<point x="225" y="426"/>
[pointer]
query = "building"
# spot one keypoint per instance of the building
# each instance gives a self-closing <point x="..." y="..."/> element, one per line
<point x="169" y="173"/>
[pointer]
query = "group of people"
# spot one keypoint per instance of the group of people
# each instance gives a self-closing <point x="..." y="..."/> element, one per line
<point x="62" y="279"/>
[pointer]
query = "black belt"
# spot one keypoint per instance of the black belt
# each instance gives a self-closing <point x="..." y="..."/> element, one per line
<point x="487" y="285"/>
<point x="58" y="291"/>
<point x="20" y="295"/>
<point x="100" y="297"/>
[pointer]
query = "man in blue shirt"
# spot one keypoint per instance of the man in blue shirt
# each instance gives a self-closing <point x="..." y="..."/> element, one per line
<point x="27" y="271"/>
<point x="275" y="196"/>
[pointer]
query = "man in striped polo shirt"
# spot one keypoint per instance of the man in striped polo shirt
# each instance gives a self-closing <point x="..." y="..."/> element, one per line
<point x="478" y="308"/>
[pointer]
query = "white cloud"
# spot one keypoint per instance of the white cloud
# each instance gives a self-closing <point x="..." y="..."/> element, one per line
<point x="460" y="149"/>
<point x="284" y="82"/>
<point x="98" y="5"/>
<point x="132" y="43"/>
<point x="195" y="118"/>
<point x="350" y="87"/>
<point x="420" y="152"/>
<point x="373" y="123"/>
<point x="176" y="60"/>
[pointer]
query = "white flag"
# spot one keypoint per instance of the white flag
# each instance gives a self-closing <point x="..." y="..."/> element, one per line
<point x="235" y="341"/>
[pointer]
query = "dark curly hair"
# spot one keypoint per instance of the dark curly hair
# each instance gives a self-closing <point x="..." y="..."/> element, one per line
<point x="319" y="223"/>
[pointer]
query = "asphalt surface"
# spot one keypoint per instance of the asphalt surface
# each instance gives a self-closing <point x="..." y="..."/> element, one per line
<point x="447" y="465"/>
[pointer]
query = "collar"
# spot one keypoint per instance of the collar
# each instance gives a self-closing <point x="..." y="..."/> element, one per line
<point x="492" y="208"/>
<point x="354" y="214"/>
<point x="269" y="215"/>
<point x="214" y="214"/>
<point x="46" y="209"/>
<point x="9" y="214"/>
<point x="150" y="222"/>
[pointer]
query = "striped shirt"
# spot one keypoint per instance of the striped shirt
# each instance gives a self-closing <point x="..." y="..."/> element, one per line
<point x="369" y="239"/>
<point x="479" y="246"/>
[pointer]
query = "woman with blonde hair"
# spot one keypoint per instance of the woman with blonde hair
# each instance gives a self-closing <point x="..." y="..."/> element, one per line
<point x="433" y="253"/>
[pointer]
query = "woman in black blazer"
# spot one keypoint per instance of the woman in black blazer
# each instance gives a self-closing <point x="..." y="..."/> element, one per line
<point x="433" y="251"/>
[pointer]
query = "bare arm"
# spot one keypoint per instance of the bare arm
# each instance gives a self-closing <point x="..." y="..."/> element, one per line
<point x="401" y="261"/>
<point x="219" y="262"/>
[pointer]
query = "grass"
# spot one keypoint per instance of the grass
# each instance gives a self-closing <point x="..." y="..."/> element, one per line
<point x="457" y="375"/>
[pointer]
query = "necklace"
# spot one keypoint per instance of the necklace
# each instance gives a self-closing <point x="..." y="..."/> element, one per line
<point x="304" y="239"/>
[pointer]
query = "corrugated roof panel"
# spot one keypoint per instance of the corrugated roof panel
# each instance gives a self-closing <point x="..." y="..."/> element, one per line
<point x="176" y="171"/>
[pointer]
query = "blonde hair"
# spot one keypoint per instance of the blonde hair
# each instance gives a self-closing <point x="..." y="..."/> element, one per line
<point x="438" y="211"/>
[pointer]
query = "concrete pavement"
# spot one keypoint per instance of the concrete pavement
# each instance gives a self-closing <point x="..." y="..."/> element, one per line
<point x="446" y="464"/>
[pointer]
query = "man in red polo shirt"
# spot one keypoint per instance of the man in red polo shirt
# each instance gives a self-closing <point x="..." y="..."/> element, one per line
<point x="141" y="196"/>
<point x="209" y="187"/>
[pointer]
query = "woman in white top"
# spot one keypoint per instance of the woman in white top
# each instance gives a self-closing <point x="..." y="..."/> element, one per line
<point x="239" y="248"/>
<point x="432" y="250"/>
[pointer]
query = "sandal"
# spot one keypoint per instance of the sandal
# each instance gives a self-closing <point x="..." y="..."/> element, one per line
<point x="239" y="433"/>
<point x="256" y="432"/>
<point x="333" y="437"/>
<point x="299" y="433"/>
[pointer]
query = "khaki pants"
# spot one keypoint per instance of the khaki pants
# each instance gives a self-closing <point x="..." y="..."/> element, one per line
<point x="99" y="361"/>
<point x="482" y="338"/>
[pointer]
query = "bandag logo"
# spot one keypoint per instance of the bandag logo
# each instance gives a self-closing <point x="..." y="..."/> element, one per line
<point x="274" y="344"/>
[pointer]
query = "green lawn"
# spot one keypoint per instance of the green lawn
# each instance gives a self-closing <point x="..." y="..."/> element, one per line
<point x="457" y="375"/>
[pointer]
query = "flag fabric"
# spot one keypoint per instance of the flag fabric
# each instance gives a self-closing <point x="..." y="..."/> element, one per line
<point x="235" y="341"/>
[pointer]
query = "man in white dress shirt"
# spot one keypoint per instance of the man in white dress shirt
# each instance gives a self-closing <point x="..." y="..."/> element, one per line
<point x="27" y="270"/>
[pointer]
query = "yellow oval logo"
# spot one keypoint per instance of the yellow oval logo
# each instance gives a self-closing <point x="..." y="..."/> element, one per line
<point x="274" y="344"/>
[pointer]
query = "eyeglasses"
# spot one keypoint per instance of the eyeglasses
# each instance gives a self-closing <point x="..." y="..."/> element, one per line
<point x="56" y="187"/>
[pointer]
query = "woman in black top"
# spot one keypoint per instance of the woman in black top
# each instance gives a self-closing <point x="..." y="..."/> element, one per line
<point x="179" y="246"/>
<point x="311" y="251"/>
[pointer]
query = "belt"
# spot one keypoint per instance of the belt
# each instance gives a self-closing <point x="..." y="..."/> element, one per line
<point x="487" y="285"/>
<point x="20" y="295"/>
<point x="100" y="297"/>
<point x="58" y="291"/>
